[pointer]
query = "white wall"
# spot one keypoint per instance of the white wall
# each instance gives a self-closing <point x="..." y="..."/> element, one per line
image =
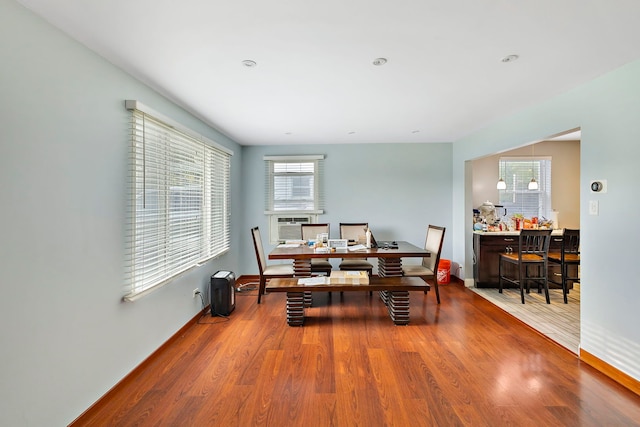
<point x="607" y="111"/>
<point x="66" y="337"/>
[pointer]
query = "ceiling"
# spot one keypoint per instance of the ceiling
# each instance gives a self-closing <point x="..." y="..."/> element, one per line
<point x="314" y="79"/>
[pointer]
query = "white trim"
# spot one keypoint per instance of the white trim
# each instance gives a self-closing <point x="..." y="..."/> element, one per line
<point x="292" y="213"/>
<point x="132" y="104"/>
<point x="294" y="158"/>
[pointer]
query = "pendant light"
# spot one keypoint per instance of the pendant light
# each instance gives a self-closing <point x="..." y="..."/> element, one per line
<point x="501" y="185"/>
<point x="533" y="184"/>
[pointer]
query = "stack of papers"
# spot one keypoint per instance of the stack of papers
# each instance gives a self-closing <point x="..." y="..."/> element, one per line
<point x="316" y="280"/>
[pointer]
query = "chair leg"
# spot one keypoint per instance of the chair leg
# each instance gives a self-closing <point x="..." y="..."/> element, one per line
<point x="565" y="272"/>
<point x="435" y="285"/>
<point x="521" y="279"/>
<point x="499" y="275"/>
<point x="546" y="288"/>
<point x="263" y="285"/>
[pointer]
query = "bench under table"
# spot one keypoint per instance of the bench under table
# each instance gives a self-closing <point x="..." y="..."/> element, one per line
<point x="394" y="292"/>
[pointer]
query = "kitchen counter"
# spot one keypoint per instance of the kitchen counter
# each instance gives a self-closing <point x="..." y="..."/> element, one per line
<point x="487" y="247"/>
<point x="512" y="233"/>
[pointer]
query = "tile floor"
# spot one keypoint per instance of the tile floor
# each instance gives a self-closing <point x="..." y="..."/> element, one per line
<point x="558" y="321"/>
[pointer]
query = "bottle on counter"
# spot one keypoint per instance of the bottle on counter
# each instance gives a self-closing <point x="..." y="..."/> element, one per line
<point x="485" y="226"/>
<point x="368" y="237"/>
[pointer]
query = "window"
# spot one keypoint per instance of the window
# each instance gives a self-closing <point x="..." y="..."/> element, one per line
<point x="293" y="192"/>
<point x="179" y="212"/>
<point x="517" y="198"/>
<point x="293" y="184"/>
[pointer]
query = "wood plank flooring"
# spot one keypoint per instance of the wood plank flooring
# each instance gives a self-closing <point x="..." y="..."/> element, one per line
<point x="462" y="363"/>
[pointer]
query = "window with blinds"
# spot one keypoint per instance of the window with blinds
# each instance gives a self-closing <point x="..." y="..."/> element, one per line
<point x="179" y="212"/>
<point x="294" y="184"/>
<point x="293" y="194"/>
<point x="517" y="198"/>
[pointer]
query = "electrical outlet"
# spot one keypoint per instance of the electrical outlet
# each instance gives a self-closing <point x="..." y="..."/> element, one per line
<point x="196" y="292"/>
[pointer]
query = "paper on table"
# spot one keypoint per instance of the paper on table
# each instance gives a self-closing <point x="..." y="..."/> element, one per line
<point x="317" y="280"/>
<point x="357" y="248"/>
<point x="288" y="245"/>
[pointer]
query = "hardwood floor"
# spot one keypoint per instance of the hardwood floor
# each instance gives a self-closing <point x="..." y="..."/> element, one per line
<point x="465" y="362"/>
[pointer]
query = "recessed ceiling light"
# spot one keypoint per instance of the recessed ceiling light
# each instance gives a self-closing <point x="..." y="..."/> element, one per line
<point x="379" y="61"/>
<point x="249" y="63"/>
<point x="510" y="58"/>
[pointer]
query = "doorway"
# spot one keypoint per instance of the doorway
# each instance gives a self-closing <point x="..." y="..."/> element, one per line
<point x="560" y="322"/>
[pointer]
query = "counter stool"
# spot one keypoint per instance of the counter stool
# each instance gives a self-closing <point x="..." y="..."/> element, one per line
<point x="531" y="262"/>
<point x="567" y="257"/>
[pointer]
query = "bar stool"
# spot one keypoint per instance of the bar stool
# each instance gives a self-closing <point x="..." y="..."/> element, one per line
<point x="567" y="257"/>
<point x="531" y="261"/>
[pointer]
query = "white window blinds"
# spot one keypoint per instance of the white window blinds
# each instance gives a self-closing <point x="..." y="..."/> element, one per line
<point x="517" y="198"/>
<point x="294" y="184"/>
<point x="179" y="212"/>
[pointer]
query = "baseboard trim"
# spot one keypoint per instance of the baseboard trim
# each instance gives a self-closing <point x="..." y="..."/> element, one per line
<point x="613" y="373"/>
<point x="100" y="403"/>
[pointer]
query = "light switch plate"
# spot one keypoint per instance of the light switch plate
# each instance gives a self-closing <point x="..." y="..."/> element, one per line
<point x="593" y="207"/>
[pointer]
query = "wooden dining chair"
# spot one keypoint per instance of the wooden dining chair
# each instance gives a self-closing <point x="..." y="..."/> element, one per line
<point x="568" y="259"/>
<point x="267" y="271"/>
<point x="530" y="262"/>
<point x="354" y="232"/>
<point x="309" y="232"/>
<point x="428" y="270"/>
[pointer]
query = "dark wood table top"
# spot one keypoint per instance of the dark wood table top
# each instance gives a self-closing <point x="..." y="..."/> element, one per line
<point x="405" y="250"/>
<point x="375" y="284"/>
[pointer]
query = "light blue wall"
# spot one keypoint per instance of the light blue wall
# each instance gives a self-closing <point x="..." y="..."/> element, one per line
<point x="65" y="336"/>
<point x="607" y="109"/>
<point x="399" y="189"/>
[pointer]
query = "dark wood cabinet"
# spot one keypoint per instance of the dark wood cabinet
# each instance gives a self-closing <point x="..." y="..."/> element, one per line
<point x="487" y="248"/>
<point x="486" y="251"/>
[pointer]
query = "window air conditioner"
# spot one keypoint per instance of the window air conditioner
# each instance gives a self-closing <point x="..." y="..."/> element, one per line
<point x="287" y="227"/>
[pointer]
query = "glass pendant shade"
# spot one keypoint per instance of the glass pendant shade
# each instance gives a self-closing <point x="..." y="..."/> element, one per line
<point x="501" y="185"/>
<point x="533" y="184"/>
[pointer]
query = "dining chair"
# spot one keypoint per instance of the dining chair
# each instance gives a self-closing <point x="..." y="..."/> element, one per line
<point x="530" y="262"/>
<point x="309" y="232"/>
<point x="428" y="270"/>
<point x="567" y="257"/>
<point x="267" y="271"/>
<point x="355" y="232"/>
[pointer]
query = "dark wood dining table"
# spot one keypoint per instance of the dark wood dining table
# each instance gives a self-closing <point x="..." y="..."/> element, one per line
<point x="389" y="260"/>
<point x="389" y="266"/>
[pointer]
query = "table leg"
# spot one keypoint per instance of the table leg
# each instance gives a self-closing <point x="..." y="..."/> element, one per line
<point x="398" y="307"/>
<point x="295" y="308"/>
<point x="302" y="268"/>
<point x="389" y="267"/>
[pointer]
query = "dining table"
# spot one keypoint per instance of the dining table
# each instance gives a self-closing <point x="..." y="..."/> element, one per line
<point x="389" y="266"/>
<point x="389" y="259"/>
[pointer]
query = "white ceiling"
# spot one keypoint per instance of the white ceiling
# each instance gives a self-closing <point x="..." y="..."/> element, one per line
<point x="315" y="82"/>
